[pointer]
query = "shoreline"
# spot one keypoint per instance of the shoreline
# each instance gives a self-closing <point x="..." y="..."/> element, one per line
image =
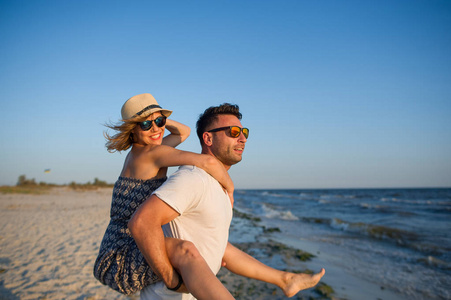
<point x="343" y="284"/>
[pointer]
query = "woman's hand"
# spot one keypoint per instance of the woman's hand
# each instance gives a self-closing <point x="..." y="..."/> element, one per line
<point x="178" y="133"/>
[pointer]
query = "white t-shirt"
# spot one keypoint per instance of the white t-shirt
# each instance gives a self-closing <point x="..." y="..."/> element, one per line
<point x="205" y="216"/>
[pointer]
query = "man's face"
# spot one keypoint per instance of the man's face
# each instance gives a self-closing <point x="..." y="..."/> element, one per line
<point x="227" y="149"/>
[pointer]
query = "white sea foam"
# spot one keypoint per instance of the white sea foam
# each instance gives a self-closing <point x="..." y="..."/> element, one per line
<point x="339" y="224"/>
<point x="272" y="213"/>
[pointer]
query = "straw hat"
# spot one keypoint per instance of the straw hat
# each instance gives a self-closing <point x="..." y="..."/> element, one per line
<point x="142" y="105"/>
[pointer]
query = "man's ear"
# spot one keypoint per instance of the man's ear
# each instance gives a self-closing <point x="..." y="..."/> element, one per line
<point x="208" y="138"/>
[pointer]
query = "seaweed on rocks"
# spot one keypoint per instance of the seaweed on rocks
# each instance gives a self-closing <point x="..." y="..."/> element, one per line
<point x="324" y="290"/>
<point x="258" y="243"/>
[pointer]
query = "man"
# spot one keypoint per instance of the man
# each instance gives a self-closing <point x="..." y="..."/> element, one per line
<point x="195" y="208"/>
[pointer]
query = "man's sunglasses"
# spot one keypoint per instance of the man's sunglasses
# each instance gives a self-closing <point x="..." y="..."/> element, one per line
<point x="234" y="131"/>
<point x="146" y="125"/>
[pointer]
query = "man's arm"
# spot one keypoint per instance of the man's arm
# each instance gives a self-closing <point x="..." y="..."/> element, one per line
<point x="145" y="227"/>
<point x="243" y="264"/>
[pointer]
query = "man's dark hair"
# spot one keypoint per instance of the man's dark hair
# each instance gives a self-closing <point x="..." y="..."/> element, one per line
<point x="211" y="114"/>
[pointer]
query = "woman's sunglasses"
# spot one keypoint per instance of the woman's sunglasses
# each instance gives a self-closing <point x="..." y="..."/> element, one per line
<point x="146" y="125"/>
<point x="234" y="131"/>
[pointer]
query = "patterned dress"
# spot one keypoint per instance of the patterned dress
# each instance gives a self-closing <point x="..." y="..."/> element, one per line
<point x="120" y="264"/>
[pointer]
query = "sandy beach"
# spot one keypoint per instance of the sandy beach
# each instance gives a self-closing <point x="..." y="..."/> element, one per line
<point x="48" y="244"/>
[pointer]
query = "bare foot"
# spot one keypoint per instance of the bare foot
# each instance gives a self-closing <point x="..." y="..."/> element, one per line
<point x="297" y="282"/>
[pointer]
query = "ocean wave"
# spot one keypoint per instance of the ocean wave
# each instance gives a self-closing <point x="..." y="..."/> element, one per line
<point x="305" y="195"/>
<point x="270" y="211"/>
<point x="367" y="205"/>
<point x="339" y="224"/>
<point x="435" y="262"/>
<point x="379" y="232"/>
<point x="330" y="197"/>
<point x="382" y="209"/>
<point x="336" y="196"/>
<point x="277" y="195"/>
<point x="417" y="201"/>
<point x="400" y="237"/>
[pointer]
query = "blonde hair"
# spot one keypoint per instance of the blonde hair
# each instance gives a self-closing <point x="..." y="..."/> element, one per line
<point x="123" y="139"/>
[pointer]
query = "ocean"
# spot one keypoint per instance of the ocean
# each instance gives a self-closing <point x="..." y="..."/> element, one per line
<point x="398" y="239"/>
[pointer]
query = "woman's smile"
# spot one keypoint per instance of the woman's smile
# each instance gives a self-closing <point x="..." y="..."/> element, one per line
<point x="156" y="136"/>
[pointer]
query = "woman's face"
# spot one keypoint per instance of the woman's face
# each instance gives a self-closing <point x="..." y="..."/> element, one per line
<point x="153" y="136"/>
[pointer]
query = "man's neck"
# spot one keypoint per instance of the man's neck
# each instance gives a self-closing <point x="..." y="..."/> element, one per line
<point x="207" y="151"/>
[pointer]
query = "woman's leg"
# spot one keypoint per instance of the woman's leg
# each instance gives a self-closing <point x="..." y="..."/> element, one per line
<point x="243" y="264"/>
<point x="121" y="265"/>
<point x="197" y="275"/>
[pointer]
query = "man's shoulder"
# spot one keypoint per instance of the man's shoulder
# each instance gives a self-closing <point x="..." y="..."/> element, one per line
<point x="189" y="173"/>
<point x="188" y="169"/>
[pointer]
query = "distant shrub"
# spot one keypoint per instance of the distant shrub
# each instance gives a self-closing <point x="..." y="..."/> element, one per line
<point x="90" y="186"/>
<point x="23" y="181"/>
<point x="29" y="186"/>
<point x="98" y="182"/>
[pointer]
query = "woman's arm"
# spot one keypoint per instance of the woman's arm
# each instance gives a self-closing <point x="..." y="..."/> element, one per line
<point x="165" y="156"/>
<point x="178" y="133"/>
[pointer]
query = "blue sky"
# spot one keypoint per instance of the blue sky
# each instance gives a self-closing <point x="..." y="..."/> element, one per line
<point x="337" y="94"/>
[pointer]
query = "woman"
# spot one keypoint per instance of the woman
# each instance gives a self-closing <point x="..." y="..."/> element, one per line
<point x="120" y="264"/>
